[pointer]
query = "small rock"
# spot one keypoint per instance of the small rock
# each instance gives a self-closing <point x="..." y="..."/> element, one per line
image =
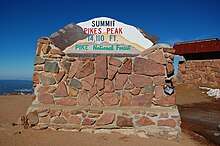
<point x="51" y="67"/>
<point x="216" y="133"/>
<point x="33" y="118"/>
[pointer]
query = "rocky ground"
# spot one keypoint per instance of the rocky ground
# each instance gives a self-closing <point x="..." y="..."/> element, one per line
<point x="200" y="117"/>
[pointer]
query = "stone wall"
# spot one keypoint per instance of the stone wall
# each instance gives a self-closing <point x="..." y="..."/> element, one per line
<point x="201" y="72"/>
<point x="104" y="93"/>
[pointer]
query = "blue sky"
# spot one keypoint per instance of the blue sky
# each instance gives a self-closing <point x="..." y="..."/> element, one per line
<point x="23" y="22"/>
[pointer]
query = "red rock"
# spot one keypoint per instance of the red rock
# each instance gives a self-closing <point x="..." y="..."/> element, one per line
<point x="109" y="86"/>
<point x="86" y="85"/>
<point x="101" y="67"/>
<point x="96" y="102"/>
<point x="129" y="85"/>
<point x="73" y="92"/>
<point x="140" y="80"/>
<point x="59" y="120"/>
<point x="85" y="70"/>
<point x="126" y="67"/>
<point x="159" y="92"/>
<point x="75" y="120"/>
<point x="101" y="92"/>
<point x="68" y="101"/>
<point x="61" y="90"/>
<point x="120" y="81"/>
<point x="126" y="98"/>
<point x="59" y="76"/>
<point x="124" y="122"/>
<point x="83" y="98"/>
<point x="164" y="115"/>
<point x="76" y="112"/>
<point x="65" y="113"/>
<point x="151" y="114"/>
<point x="136" y="112"/>
<point x="159" y="80"/>
<point x="148" y="51"/>
<point x="169" y="50"/>
<point x="135" y="91"/>
<point x="147" y="67"/>
<point x="87" y="121"/>
<point x="38" y="68"/>
<point x="106" y="119"/>
<point x="90" y="79"/>
<point x="145" y="121"/>
<point x="75" y="67"/>
<point x="93" y="91"/>
<point x="142" y="100"/>
<point x="157" y="57"/>
<point x="112" y="70"/>
<point x="170" y="69"/>
<point x="59" y="52"/>
<point x="45" y="98"/>
<point x="115" y="62"/>
<point x="46" y="89"/>
<point x="100" y="83"/>
<point x="35" y="78"/>
<point x="168" y="123"/>
<point x="169" y="100"/>
<point x="110" y="99"/>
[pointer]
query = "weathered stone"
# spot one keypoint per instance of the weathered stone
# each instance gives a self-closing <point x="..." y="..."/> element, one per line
<point x="101" y="67"/>
<point x="159" y="80"/>
<point x="135" y="91"/>
<point x="45" y="48"/>
<point x="169" y="50"/>
<point x="142" y="100"/>
<point x="58" y="120"/>
<point x="109" y="86"/>
<point x="159" y="92"/>
<point x="129" y="85"/>
<point x="87" y="69"/>
<point x="45" y="98"/>
<point x="164" y="115"/>
<point x="126" y="98"/>
<point x="101" y="92"/>
<point x="148" y="51"/>
<point x="74" y="69"/>
<point x="46" y="89"/>
<point x="56" y="52"/>
<point x="38" y="68"/>
<point x="86" y="85"/>
<point x="73" y="92"/>
<point x="75" y="83"/>
<point x="170" y="69"/>
<point x="51" y="67"/>
<point x="75" y="120"/>
<point x="100" y="83"/>
<point x="112" y="70"/>
<point x="115" y="61"/>
<point x="106" y="119"/>
<point x="157" y="57"/>
<point x="126" y="67"/>
<point x="68" y="101"/>
<point x="96" y="102"/>
<point x="35" y="78"/>
<point x="110" y="99"/>
<point x="67" y="36"/>
<point x="87" y="121"/>
<point x="145" y="121"/>
<point x="61" y="90"/>
<point x="147" y="89"/>
<point x="38" y="60"/>
<point x="147" y="67"/>
<point x="124" y="122"/>
<point x="167" y="123"/>
<point x="33" y="118"/>
<point x="120" y="81"/>
<point x="93" y="91"/>
<point x="169" y="100"/>
<point x="90" y="79"/>
<point x="83" y="98"/>
<point x="38" y="50"/>
<point x="67" y="65"/>
<point x="140" y="80"/>
<point x="47" y="78"/>
<point x="152" y="114"/>
<point x="59" y="76"/>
